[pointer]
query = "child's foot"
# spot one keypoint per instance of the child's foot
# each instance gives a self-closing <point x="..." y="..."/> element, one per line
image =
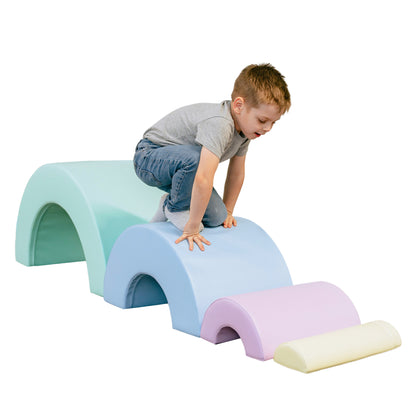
<point x="160" y="215"/>
<point x="179" y="219"/>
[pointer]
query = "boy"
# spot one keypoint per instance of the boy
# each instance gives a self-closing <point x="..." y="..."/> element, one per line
<point x="181" y="152"/>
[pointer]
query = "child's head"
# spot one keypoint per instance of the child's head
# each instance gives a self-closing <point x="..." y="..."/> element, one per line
<point x="260" y="97"/>
<point x="262" y="84"/>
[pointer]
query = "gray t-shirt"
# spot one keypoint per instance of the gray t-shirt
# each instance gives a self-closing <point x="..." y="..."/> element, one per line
<point x="209" y="125"/>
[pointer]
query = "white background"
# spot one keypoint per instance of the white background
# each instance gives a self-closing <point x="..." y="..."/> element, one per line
<point x="333" y="184"/>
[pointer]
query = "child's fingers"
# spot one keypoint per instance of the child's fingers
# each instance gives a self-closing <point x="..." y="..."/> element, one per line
<point x="198" y="243"/>
<point x="181" y="238"/>
<point x="229" y="222"/>
<point x="197" y="238"/>
<point x="191" y="243"/>
<point x="204" y="240"/>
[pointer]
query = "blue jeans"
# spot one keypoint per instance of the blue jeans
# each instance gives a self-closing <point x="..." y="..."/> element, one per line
<point x="172" y="169"/>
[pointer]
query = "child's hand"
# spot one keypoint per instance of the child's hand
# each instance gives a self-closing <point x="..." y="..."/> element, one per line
<point x="192" y="236"/>
<point x="229" y="221"/>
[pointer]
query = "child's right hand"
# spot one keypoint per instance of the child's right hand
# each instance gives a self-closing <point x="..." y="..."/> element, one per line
<point x="191" y="233"/>
<point x="193" y="237"/>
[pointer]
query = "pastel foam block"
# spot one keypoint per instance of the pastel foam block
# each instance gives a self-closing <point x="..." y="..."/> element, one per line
<point x="263" y="320"/>
<point x="75" y="211"/>
<point x="338" y="347"/>
<point x="146" y="267"/>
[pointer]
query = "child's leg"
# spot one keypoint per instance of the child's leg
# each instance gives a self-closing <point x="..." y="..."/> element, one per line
<point x="185" y="159"/>
<point x="216" y="212"/>
<point x="173" y="169"/>
<point x="170" y="168"/>
<point x="148" y="163"/>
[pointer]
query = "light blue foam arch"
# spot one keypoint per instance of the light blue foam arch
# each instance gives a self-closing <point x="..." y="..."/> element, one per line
<point x="76" y="210"/>
<point x="240" y="260"/>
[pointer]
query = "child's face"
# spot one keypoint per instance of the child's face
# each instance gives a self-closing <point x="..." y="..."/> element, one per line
<point x="254" y="121"/>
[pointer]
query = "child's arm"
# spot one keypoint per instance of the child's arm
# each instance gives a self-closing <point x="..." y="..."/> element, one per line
<point x="232" y="188"/>
<point x="201" y="193"/>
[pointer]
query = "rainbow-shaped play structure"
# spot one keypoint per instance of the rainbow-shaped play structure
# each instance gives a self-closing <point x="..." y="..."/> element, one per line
<point x="239" y="287"/>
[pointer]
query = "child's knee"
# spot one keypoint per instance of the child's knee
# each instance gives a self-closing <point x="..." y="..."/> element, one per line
<point x="215" y="215"/>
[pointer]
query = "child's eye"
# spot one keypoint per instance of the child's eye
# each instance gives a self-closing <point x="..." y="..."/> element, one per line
<point x="262" y="121"/>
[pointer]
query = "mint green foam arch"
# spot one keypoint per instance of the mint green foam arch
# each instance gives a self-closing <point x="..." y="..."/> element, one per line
<point x="75" y="211"/>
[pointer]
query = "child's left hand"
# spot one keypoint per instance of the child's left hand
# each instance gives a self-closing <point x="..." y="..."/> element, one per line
<point x="229" y="221"/>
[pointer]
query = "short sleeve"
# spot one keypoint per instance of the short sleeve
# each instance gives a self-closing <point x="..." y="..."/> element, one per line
<point x="215" y="134"/>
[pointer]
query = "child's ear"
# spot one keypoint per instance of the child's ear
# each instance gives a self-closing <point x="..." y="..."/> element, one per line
<point x="238" y="104"/>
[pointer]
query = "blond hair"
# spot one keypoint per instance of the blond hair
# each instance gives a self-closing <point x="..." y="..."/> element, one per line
<point x="262" y="84"/>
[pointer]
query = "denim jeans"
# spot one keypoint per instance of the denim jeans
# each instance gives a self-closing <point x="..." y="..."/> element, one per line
<point x="172" y="169"/>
